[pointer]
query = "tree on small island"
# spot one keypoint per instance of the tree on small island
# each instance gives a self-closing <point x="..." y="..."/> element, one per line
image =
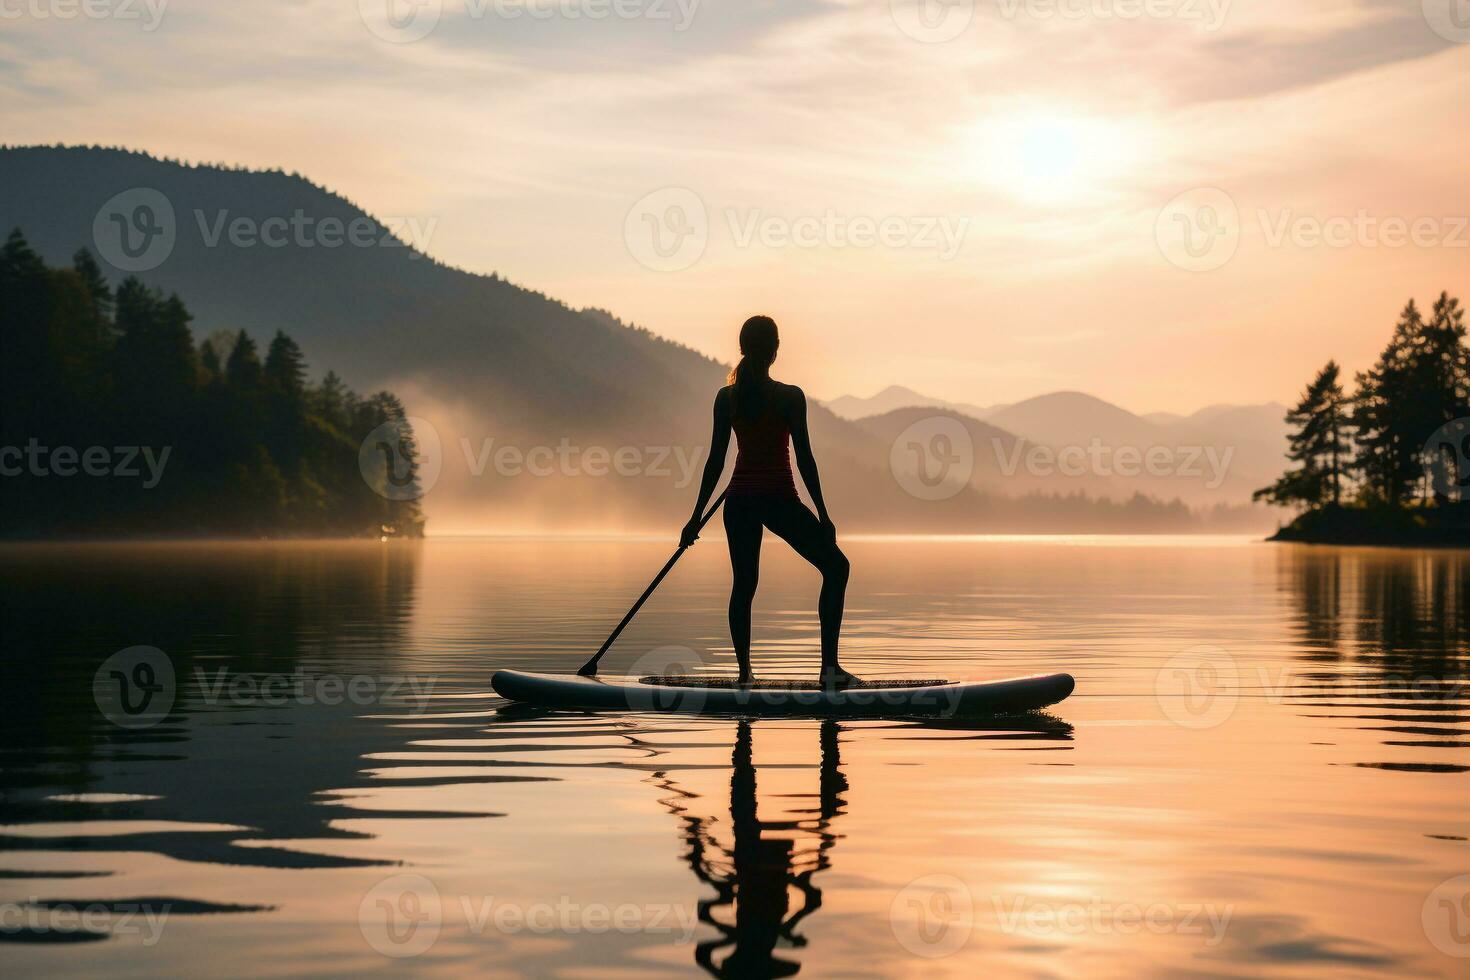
<point x="113" y="421"/>
<point x="1390" y="463"/>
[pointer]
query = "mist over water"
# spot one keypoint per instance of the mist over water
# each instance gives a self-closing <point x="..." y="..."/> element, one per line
<point x="1262" y="769"/>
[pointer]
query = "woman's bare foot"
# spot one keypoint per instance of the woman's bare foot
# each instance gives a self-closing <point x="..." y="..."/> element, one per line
<point x="837" y="678"/>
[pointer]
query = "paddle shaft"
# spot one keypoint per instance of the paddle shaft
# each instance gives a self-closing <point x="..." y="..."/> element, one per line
<point x="589" y="669"/>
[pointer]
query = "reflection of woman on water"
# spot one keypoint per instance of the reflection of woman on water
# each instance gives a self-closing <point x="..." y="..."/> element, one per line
<point x="768" y="417"/>
<point x="755" y="875"/>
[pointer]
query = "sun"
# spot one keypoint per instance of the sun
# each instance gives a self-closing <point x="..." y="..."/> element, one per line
<point x="1048" y="157"/>
<point x="1050" y="149"/>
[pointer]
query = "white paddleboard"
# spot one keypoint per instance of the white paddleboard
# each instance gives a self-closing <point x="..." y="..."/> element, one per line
<point x="875" y="699"/>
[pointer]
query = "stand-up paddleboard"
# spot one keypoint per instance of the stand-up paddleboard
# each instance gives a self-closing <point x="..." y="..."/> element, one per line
<point x="713" y="695"/>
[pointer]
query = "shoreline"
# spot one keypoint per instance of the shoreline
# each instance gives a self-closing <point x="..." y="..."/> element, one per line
<point x="1383" y="527"/>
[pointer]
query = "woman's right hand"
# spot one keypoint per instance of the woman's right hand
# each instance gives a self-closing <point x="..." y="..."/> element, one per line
<point x="829" y="530"/>
<point x="690" y="534"/>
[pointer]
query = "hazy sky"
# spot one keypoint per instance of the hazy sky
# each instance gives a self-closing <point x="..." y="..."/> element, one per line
<point x="982" y="201"/>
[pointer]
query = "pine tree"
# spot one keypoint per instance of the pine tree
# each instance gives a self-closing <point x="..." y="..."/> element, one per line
<point x="176" y="366"/>
<point x="1387" y="436"/>
<point x="24" y="345"/>
<point x="242" y="369"/>
<point x="209" y="361"/>
<point x="329" y="400"/>
<point x="285" y="367"/>
<point x="86" y="266"/>
<point x="1319" y="444"/>
<point x="1446" y="375"/>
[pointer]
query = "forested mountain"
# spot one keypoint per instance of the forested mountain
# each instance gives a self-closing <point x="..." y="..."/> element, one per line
<point x="114" y="422"/>
<point x="518" y="397"/>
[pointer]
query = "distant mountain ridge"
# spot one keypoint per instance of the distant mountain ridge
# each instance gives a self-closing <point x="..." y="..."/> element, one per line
<point x="893" y="397"/>
<point x="854" y="407"/>
<point x="1254" y="435"/>
<point x="491" y="366"/>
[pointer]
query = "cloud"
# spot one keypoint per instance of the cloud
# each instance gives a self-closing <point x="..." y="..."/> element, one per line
<point x="529" y="140"/>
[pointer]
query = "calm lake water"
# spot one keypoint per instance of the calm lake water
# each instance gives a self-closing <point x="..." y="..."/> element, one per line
<point x="1265" y="768"/>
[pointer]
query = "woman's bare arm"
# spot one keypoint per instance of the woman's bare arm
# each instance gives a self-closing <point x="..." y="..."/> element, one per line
<point x="719" y="446"/>
<point x="806" y="463"/>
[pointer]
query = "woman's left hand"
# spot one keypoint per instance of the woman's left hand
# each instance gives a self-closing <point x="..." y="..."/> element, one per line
<point x="690" y="534"/>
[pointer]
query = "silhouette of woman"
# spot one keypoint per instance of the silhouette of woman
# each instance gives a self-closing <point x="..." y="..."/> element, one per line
<point x="768" y="417"/>
<point x="765" y="859"/>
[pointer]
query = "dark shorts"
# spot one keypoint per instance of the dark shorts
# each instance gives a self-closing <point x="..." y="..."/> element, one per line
<point x="746" y="517"/>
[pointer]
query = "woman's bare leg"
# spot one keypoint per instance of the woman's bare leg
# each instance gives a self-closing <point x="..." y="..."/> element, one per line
<point x="743" y="532"/>
<point x="799" y="527"/>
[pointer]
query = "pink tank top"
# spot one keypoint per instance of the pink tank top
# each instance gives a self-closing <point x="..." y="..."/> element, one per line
<point x="763" y="456"/>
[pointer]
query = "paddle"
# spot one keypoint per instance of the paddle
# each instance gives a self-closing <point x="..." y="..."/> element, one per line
<point x="589" y="669"/>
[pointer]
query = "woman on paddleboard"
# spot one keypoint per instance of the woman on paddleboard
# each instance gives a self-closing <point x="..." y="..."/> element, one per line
<point x="768" y="417"/>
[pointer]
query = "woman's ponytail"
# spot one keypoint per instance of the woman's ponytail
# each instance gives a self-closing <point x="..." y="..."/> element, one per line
<point x="759" y="340"/>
